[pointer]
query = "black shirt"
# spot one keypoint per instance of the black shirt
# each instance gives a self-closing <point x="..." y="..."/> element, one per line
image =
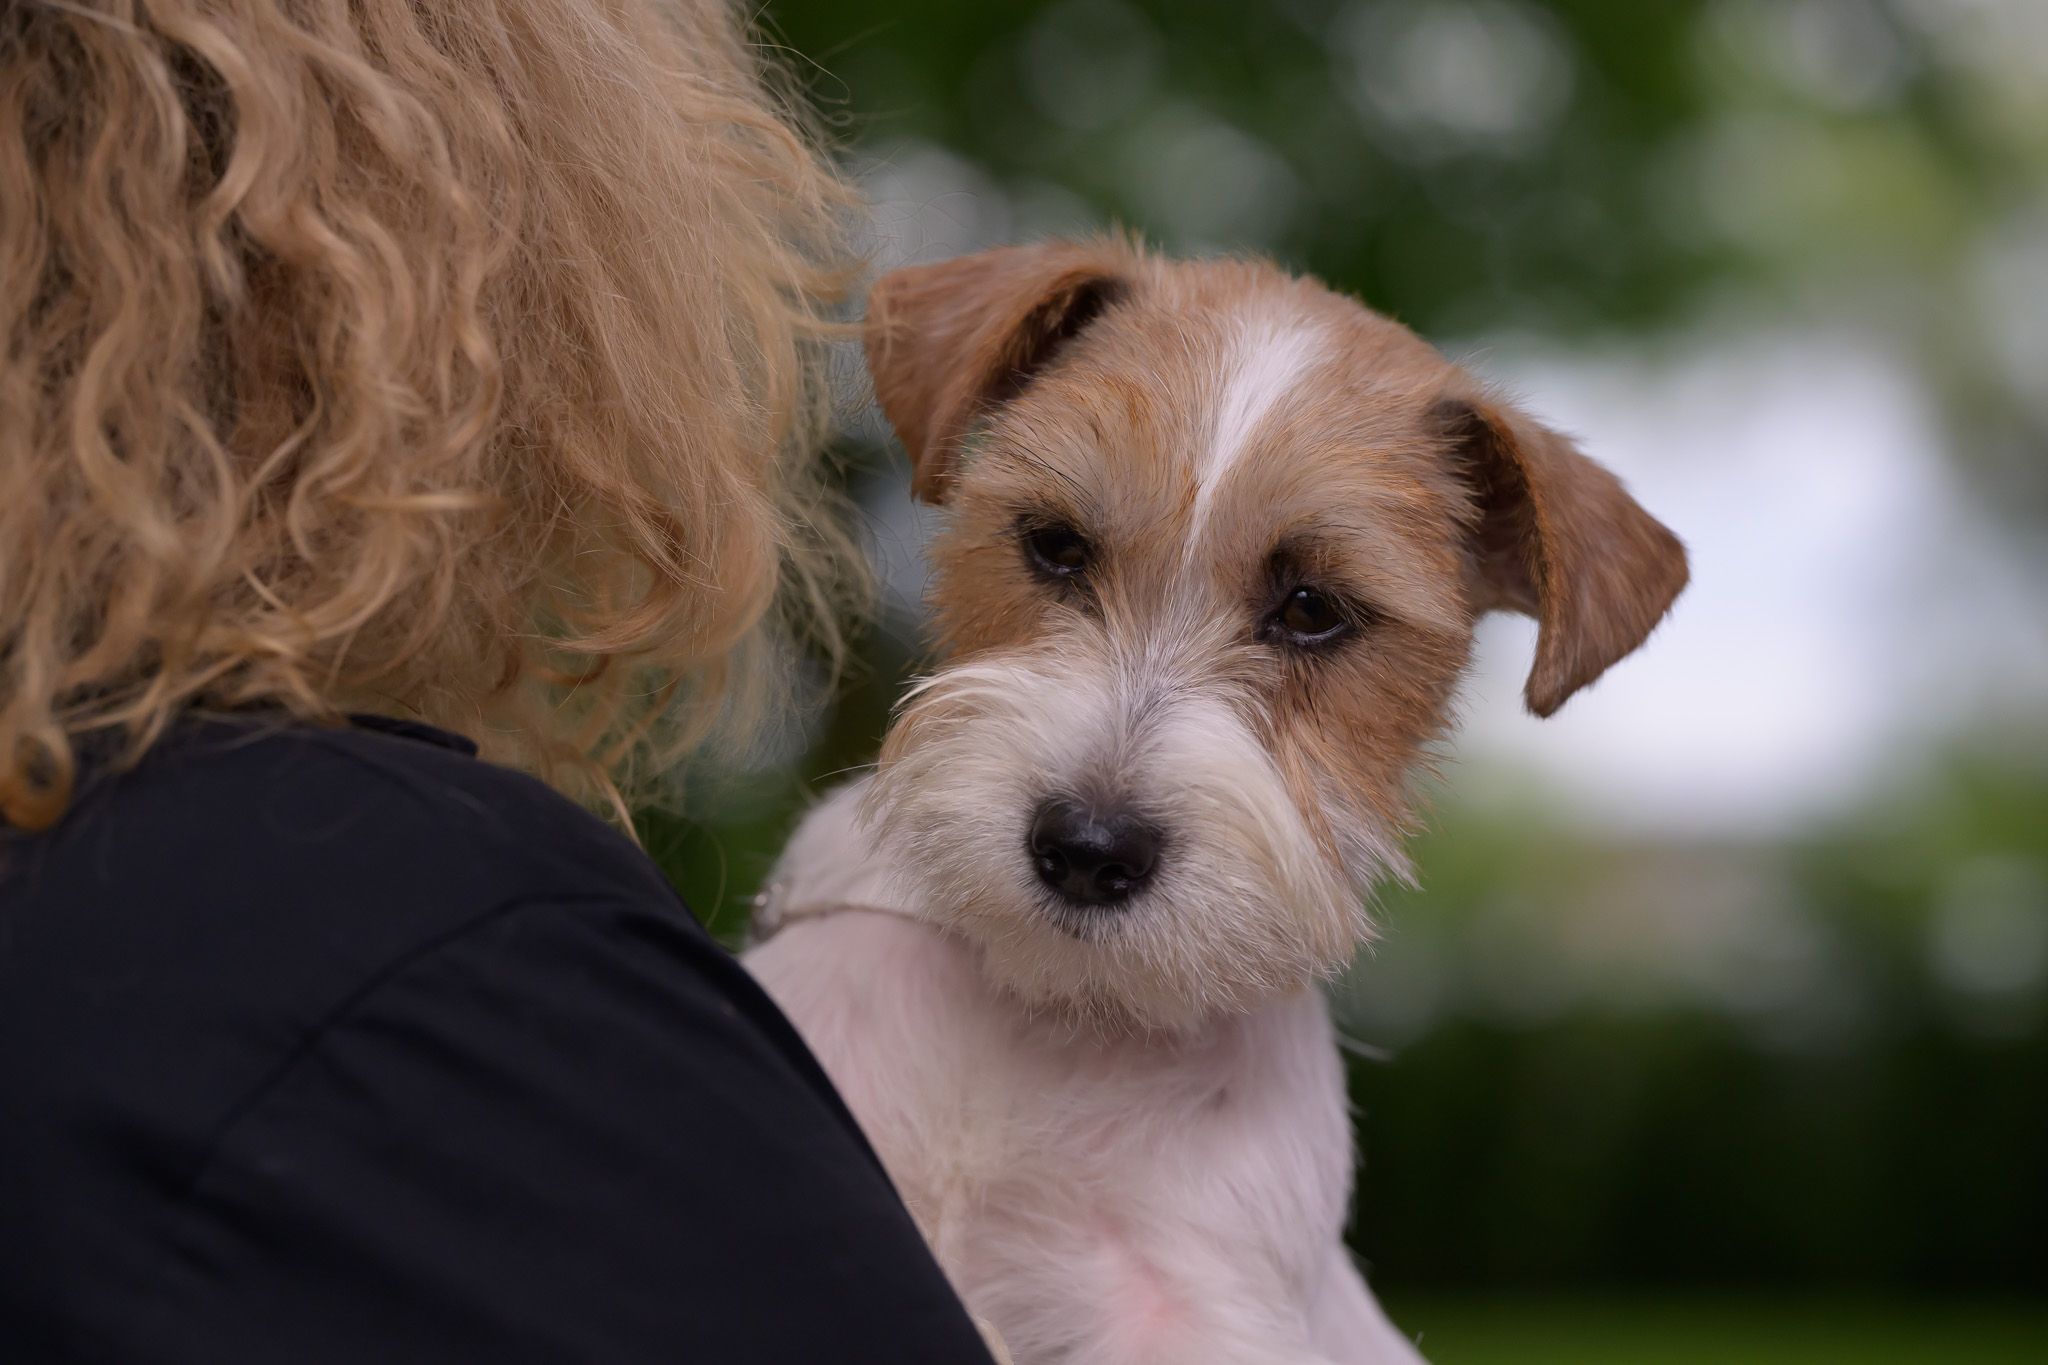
<point x="343" y="1045"/>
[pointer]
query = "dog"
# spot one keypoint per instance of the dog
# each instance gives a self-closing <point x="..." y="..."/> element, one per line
<point x="1214" y="542"/>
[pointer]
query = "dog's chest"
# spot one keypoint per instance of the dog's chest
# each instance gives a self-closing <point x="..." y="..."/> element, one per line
<point x="1052" y="1170"/>
<point x="1238" y="1134"/>
<point x="1243" y="1122"/>
<point x="1093" y="1107"/>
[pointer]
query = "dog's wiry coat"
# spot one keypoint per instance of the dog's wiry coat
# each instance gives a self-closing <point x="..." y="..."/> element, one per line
<point x="1097" y="1197"/>
<point x="1123" y="1125"/>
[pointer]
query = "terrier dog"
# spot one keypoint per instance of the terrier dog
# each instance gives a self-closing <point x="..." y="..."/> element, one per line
<point x="1215" y="540"/>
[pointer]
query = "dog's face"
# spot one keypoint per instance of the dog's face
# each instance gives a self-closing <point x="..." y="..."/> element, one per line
<point x="1216" y="540"/>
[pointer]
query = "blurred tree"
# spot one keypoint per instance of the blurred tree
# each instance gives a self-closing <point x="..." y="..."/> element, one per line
<point x="1574" y="168"/>
<point x="1822" y="1061"/>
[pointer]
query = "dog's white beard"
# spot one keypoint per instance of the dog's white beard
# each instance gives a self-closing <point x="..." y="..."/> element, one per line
<point x="1244" y="904"/>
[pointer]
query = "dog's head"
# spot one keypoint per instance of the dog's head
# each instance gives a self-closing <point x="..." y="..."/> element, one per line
<point x="1216" y="539"/>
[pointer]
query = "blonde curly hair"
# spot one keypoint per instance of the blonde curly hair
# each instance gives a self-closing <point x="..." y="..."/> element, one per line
<point x="453" y="360"/>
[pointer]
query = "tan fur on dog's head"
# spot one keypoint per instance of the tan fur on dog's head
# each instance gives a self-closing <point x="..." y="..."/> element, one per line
<point x="1219" y="456"/>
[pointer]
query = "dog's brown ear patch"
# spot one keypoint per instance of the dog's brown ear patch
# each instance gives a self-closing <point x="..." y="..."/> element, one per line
<point x="946" y="342"/>
<point x="1558" y="538"/>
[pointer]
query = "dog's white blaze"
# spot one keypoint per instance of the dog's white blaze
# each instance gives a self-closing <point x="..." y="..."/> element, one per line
<point x="1268" y="357"/>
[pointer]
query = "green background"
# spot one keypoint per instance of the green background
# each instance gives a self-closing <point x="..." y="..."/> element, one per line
<point x="1850" y="1160"/>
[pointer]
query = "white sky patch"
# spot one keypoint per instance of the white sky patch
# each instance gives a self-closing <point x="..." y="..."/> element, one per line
<point x="1268" y="357"/>
<point x="1848" y="608"/>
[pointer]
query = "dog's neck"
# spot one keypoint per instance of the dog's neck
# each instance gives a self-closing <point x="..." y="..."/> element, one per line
<point x="775" y="909"/>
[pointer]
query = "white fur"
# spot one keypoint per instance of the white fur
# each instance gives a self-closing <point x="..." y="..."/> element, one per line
<point x="1146" y="716"/>
<point x="1124" y="1133"/>
<point x="1267" y="358"/>
<point x="1137" y="1198"/>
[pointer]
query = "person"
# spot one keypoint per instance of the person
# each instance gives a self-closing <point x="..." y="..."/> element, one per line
<point x="408" y="421"/>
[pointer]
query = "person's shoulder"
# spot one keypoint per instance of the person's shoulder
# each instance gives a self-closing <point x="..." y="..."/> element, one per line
<point x="323" y="852"/>
<point x="401" y="811"/>
<point x="198" y="928"/>
<point x="247" y="877"/>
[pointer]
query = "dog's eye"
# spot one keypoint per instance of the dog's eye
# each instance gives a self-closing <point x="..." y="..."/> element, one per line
<point x="1308" y="617"/>
<point x="1057" y="551"/>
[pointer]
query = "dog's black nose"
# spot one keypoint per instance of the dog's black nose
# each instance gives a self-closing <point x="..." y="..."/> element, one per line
<point x="1090" y="856"/>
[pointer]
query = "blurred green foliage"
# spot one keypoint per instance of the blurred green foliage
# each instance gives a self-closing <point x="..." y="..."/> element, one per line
<point x="1573" y="167"/>
<point x="1708" y="1330"/>
<point x="1818" y="1062"/>
<point x="1855" y="1105"/>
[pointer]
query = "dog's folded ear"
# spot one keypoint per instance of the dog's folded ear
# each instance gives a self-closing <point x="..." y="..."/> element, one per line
<point x="1558" y="538"/>
<point x="946" y="342"/>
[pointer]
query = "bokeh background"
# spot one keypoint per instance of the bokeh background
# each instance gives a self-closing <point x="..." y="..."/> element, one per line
<point x="1718" y="1029"/>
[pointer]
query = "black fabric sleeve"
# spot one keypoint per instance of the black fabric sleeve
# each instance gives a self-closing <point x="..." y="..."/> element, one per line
<point x="570" y="1132"/>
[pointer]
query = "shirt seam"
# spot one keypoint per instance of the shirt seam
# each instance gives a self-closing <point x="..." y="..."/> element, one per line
<point x="339" y="1014"/>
